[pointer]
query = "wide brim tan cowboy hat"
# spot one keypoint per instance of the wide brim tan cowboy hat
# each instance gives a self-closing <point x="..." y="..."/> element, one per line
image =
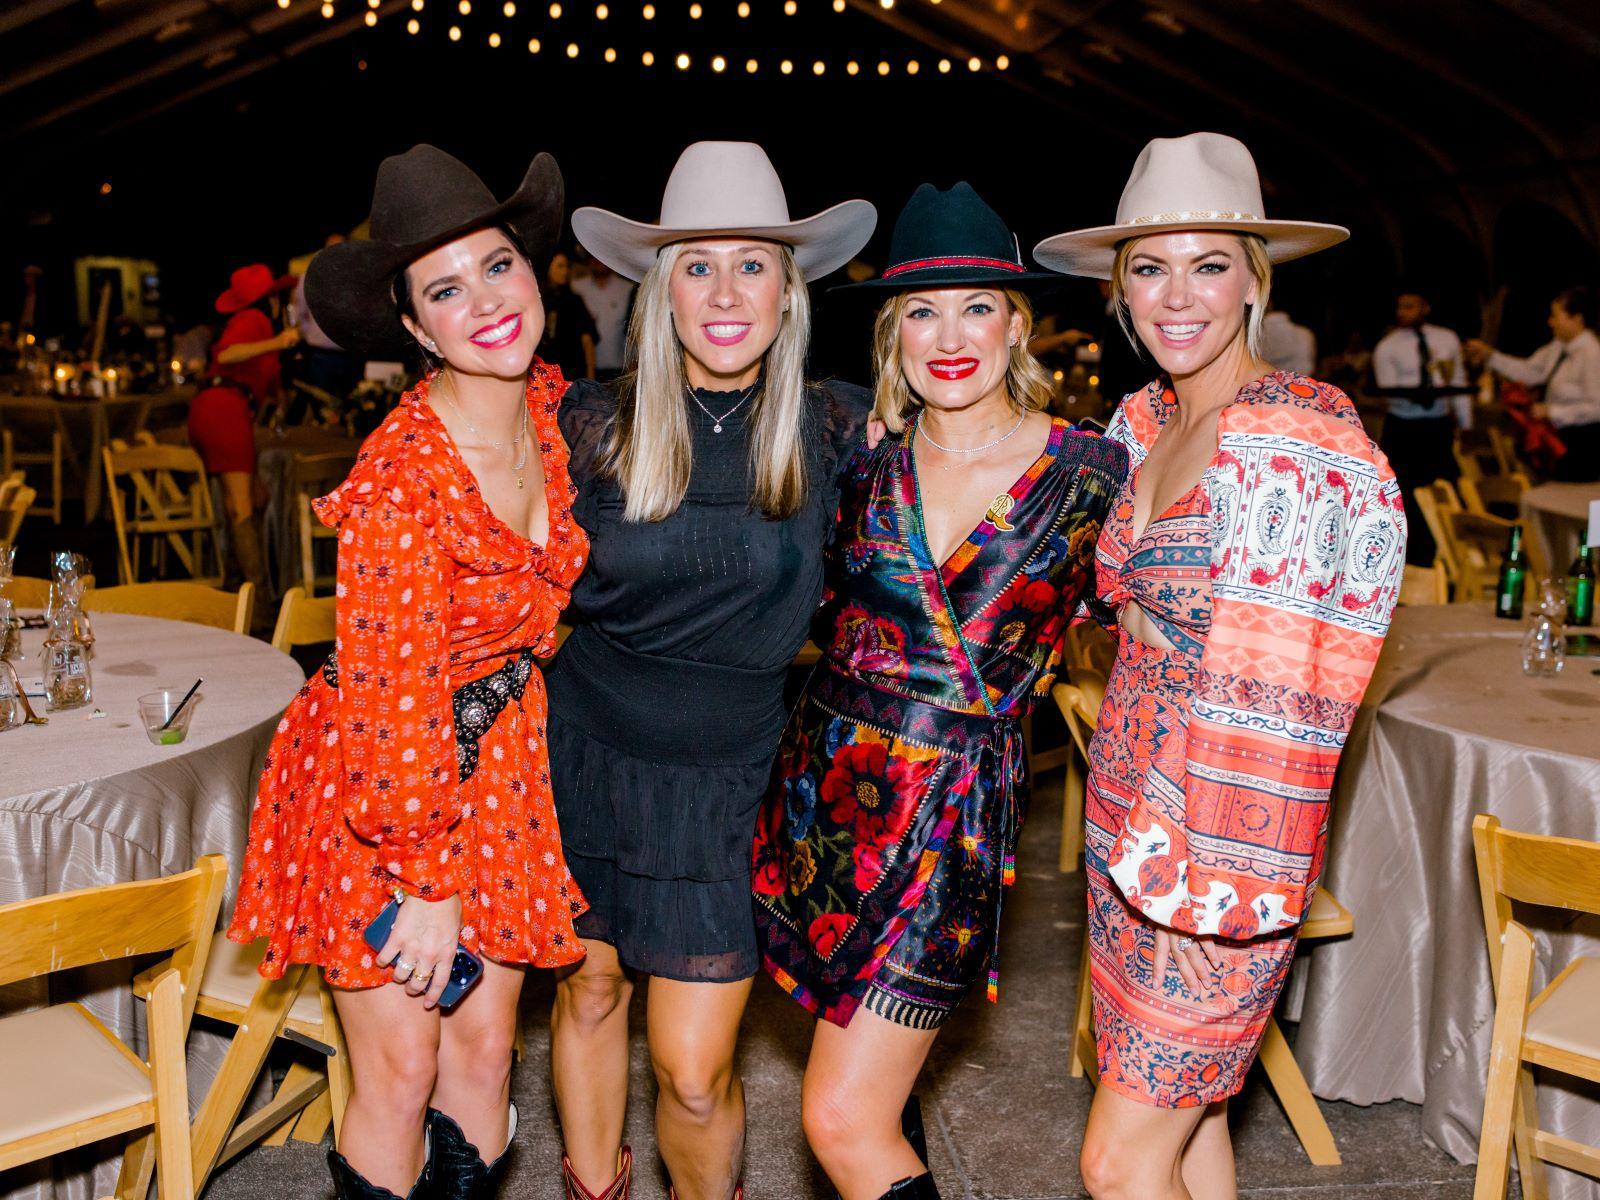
<point x="726" y="189"/>
<point x="1201" y="181"/>
<point x="423" y="199"/>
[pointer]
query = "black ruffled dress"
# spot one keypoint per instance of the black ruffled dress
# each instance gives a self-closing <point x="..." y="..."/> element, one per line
<point x="666" y="703"/>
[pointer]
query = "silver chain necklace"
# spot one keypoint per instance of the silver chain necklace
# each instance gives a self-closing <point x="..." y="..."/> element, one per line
<point x="716" y="421"/>
<point x="522" y="435"/>
<point x="928" y="437"/>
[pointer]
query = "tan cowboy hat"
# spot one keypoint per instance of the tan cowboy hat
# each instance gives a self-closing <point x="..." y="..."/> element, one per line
<point x="1201" y="181"/>
<point x="726" y="189"/>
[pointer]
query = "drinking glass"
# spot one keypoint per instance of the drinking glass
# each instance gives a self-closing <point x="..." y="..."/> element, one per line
<point x="1544" y="646"/>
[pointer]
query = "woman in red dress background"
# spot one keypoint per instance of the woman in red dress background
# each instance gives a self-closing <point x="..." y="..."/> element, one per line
<point x="415" y="761"/>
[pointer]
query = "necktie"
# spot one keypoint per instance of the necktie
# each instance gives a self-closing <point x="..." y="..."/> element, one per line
<point x="1425" y="396"/>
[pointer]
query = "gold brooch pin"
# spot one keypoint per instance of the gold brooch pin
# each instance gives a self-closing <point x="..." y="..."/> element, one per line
<point x="996" y="515"/>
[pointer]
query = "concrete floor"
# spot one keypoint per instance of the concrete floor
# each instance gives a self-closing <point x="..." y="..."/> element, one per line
<point x="1004" y="1118"/>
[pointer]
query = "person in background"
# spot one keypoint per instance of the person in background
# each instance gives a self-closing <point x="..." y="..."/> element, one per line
<point x="569" y="329"/>
<point x="1288" y="346"/>
<point x="246" y="375"/>
<point x="1568" y="367"/>
<point x="609" y="298"/>
<point x="1253" y="558"/>
<point x="323" y="363"/>
<point x="1413" y="364"/>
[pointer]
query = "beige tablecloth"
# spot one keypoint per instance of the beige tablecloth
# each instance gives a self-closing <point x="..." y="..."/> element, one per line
<point x="90" y="801"/>
<point x="1556" y="514"/>
<point x="1450" y="728"/>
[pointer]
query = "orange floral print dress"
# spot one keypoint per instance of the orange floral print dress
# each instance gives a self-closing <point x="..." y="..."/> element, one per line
<point x="416" y="755"/>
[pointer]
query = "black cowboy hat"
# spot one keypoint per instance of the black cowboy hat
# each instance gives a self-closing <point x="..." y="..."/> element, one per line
<point x="423" y="199"/>
<point x="952" y="239"/>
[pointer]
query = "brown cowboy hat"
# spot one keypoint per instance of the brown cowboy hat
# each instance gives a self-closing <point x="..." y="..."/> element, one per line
<point x="423" y="199"/>
<point x="250" y="285"/>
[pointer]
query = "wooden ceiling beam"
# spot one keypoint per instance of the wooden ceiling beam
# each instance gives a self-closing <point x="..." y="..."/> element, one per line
<point x="101" y="43"/>
<point x="18" y="15"/>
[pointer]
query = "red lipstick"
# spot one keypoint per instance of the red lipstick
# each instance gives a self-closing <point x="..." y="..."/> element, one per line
<point x="951" y="369"/>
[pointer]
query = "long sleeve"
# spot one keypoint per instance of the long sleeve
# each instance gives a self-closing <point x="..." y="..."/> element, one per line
<point x="396" y="720"/>
<point x="1577" y="400"/>
<point x="1307" y="554"/>
<point x="1533" y="371"/>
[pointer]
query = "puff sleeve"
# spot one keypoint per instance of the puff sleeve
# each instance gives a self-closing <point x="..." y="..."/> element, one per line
<point x="1308" y="548"/>
<point x="396" y="721"/>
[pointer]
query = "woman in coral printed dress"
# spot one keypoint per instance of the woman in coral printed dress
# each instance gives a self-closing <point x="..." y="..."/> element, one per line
<point x="1254" y="557"/>
<point x="414" y="761"/>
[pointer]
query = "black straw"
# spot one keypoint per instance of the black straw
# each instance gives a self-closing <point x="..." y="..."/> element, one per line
<point x="181" y="703"/>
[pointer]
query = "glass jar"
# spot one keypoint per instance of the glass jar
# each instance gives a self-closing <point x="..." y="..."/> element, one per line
<point x="10" y="631"/>
<point x="1544" y="646"/>
<point x="68" y="682"/>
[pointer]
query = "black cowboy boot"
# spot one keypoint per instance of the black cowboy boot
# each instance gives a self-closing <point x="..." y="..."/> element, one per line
<point x="459" y="1172"/>
<point x="911" y="1127"/>
<point x="920" y="1187"/>
<point x="348" y="1184"/>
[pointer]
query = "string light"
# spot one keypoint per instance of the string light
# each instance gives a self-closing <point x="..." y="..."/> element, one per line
<point x="744" y="9"/>
<point x="327" y="11"/>
<point x="494" y="41"/>
<point x="283" y="3"/>
<point x="1002" y="63"/>
<point x="944" y="66"/>
<point x="974" y="63"/>
<point x="555" y="12"/>
<point x="751" y="66"/>
<point x="374" y="3"/>
<point x="510" y="10"/>
<point x="413" y="26"/>
<point x="649" y="12"/>
<point x="572" y="49"/>
<point x="852" y="68"/>
<point x="535" y="45"/>
<point x="838" y="5"/>
<point x="417" y="5"/>
<point x="719" y="64"/>
<point x="913" y="67"/>
<point x="601" y="12"/>
<point x="694" y="12"/>
<point x="648" y="58"/>
<point x="883" y="68"/>
<point x="1094" y="381"/>
<point x="466" y="8"/>
<point x="683" y="62"/>
<point x="1094" y="347"/>
<point x="371" y="19"/>
<point x="455" y="33"/>
<point x="1058" y="375"/>
<point x="786" y="67"/>
<point x="790" y="8"/>
<point x="818" y="67"/>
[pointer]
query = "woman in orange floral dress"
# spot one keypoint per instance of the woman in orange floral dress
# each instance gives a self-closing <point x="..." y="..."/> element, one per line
<point x="414" y="761"/>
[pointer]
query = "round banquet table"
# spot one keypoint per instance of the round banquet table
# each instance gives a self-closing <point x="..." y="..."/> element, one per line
<point x="1556" y="515"/>
<point x="1450" y="727"/>
<point x="89" y="800"/>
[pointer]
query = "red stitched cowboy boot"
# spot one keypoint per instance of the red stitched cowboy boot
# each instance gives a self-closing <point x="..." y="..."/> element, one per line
<point x="617" y="1189"/>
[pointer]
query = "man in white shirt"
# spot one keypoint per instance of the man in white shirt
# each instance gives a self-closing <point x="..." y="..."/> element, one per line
<point x="607" y="296"/>
<point x="1288" y="346"/>
<point x="1419" y="369"/>
<point x="1568" y="368"/>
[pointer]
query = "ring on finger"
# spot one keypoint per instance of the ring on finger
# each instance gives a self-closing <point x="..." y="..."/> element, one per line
<point x="417" y="977"/>
<point x="400" y="964"/>
<point x="1184" y="943"/>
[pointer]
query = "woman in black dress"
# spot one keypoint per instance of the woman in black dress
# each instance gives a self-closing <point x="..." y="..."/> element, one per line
<point x="706" y="486"/>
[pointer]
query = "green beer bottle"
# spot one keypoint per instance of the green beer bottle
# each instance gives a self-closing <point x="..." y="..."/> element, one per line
<point x="1580" y="587"/>
<point x="1513" y="578"/>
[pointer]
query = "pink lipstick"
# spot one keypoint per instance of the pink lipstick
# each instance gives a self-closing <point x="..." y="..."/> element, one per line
<point x="501" y="333"/>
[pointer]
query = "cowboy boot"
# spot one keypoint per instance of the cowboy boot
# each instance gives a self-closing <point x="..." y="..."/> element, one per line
<point x="919" y="1187"/>
<point x="911" y="1127"/>
<point x="348" y="1184"/>
<point x="459" y="1172"/>
<point x="617" y="1189"/>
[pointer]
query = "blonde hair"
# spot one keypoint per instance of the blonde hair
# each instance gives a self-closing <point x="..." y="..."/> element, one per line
<point x="651" y="452"/>
<point x="1255" y="257"/>
<point x="1027" y="383"/>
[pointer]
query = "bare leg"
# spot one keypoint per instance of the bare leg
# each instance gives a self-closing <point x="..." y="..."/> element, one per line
<point x="589" y="1062"/>
<point x="1131" y="1151"/>
<point x="394" y="1063"/>
<point x="238" y="495"/>
<point x="694" y="1031"/>
<point x="1208" y="1158"/>
<point x="474" y="1085"/>
<point x="856" y="1084"/>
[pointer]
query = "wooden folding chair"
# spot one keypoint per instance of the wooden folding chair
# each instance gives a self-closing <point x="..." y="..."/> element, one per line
<point x="17" y="506"/>
<point x="1483" y="494"/>
<point x="1327" y="918"/>
<point x="1079" y="702"/>
<point x="297" y="1006"/>
<point x="11" y="458"/>
<point x="314" y="475"/>
<point x="1425" y="585"/>
<point x="1556" y="1029"/>
<point x="74" y="1082"/>
<point x="179" y="601"/>
<point x="303" y="620"/>
<point x="1478" y="541"/>
<point x="166" y="497"/>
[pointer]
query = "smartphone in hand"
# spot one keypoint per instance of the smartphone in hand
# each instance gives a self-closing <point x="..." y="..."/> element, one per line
<point x="465" y="971"/>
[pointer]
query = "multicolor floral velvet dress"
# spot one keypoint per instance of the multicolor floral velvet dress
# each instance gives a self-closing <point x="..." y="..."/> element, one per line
<point x="1273" y="580"/>
<point x="416" y="756"/>
<point x="885" y="844"/>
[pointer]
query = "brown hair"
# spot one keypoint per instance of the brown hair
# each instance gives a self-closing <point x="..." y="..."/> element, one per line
<point x="1027" y="382"/>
